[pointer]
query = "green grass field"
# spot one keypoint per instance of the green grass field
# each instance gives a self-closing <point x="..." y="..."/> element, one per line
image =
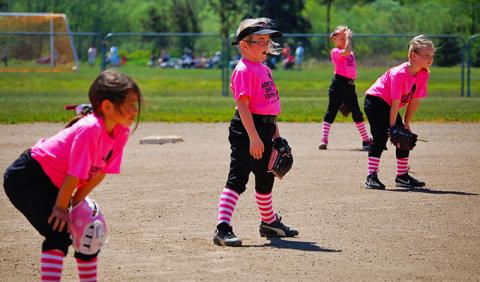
<point x="195" y="95"/>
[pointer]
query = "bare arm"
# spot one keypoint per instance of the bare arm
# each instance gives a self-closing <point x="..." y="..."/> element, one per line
<point x="411" y="109"/>
<point x="277" y="132"/>
<point x="59" y="215"/>
<point x="87" y="188"/>
<point x="256" y="144"/>
<point x="394" y="111"/>
<point x="348" y="46"/>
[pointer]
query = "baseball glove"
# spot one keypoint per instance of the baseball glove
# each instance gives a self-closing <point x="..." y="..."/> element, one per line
<point x="344" y="110"/>
<point x="281" y="159"/>
<point x="403" y="138"/>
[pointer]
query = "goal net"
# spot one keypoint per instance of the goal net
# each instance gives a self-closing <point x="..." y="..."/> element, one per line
<point x="36" y="42"/>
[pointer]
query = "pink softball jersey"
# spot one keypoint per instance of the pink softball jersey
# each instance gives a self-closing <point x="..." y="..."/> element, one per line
<point x="82" y="150"/>
<point x="344" y="65"/>
<point x="255" y="81"/>
<point x="398" y="84"/>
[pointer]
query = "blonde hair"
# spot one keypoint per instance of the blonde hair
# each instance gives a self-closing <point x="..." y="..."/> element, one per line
<point x="419" y="42"/>
<point x="273" y="47"/>
<point x="338" y="29"/>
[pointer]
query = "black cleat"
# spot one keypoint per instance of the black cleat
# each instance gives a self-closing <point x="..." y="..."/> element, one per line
<point x="224" y="236"/>
<point x="367" y="145"/>
<point x="406" y="181"/>
<point x="276" y="229"/>
<point x="373" y="182"/>
<point x="323" y="146"/>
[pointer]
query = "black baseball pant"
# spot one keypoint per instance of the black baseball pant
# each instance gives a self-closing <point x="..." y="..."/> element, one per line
<point x="32" y="192"/>
<point x="342" y="90"/>
<point x="378" y="115"/>
<point x="242" y="163"/>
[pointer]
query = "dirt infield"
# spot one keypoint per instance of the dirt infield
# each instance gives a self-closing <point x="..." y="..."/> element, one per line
<point x="161" y="211"/>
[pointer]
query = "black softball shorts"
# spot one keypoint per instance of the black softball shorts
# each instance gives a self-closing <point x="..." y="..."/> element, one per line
<point x="342" y="90"/>
<point x="378" y="115"/>
<point x="32" y="192"/>
<point x="242" y="163"/>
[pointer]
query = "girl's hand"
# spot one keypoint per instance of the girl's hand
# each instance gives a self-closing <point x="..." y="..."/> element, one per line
<point x="348" y="33"/>
<point x="407" y="126"/>
<point x="256" y="147"/>
<point x="59" y="218"/>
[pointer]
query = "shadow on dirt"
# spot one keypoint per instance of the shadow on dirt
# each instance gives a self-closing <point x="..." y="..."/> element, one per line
<point x="280" y="243"/>
<point x="432" y="191"/>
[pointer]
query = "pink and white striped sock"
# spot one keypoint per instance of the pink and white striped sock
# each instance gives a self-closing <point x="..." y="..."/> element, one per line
<point x="264" y="204"/>
<point x="51" y="265"/>
<point x="226" y="206"/>
<point x="87" y="270"/>
<point x="402" y="166"/>
<point x="325" y="132"/>
<point x="362" y="130"/>
<point x="373" y="164"/>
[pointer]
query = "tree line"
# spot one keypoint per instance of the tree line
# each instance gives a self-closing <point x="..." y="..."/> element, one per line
<point x="292" y="16"/>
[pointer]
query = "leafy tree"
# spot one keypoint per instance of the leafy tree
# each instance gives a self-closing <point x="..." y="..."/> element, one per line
<point x="3" y="6"/>
<point x="448" y="53"/>
<point x="228" y="13"/>
<point x="156" y="21"/>
<point x="184" y="19"/>
<point x="286" y="14"/>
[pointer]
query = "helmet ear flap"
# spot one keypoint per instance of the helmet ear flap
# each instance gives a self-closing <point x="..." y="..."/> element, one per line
<point x="88" y="228"/>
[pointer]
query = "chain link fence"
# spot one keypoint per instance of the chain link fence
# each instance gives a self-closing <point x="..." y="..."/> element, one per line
<point x="36" y="50"/>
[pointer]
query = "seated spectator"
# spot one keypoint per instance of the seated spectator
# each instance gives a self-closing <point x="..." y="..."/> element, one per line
<point x="202" y="62"/>
<point x="234" y="61"/>
<point x="216" y="60"/>
<point x="152" y="61"/>
<point x="187" y="60"/>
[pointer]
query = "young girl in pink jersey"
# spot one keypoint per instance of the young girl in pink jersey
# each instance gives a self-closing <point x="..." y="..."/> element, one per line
<point x="59" y="172"/>
<point x="251" y="132"/>
<point x="342" y="89"/>
<point x="402" y="85"/>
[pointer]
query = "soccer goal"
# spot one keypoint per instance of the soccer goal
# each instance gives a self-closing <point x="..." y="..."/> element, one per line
<point x="36" y="42"/>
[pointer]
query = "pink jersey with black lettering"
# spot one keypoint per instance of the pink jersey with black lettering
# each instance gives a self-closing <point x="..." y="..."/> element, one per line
<point x="344" y="65"/>
<point x="398" y="84"/>
<point x="254" y="80"/>
<point x="82" y="150"/>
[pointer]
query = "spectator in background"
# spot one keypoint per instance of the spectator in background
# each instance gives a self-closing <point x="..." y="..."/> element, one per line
<point x="113" y="56"/>
<point x="216" y="60"/>
<point x="164" y="60"/>
<point x="187" y="58"/>
<point x="299" y="54"/>
<point x="202" y="62"/>
<point x="287" y="58"/>
<point x="152" y="62"/>
<point x="4" y="56"/>
<point x="91" y="55"/>
<point x="271" y="61"/>
<point x="234" y="61"/>
<point x="286" y="50"/>
<point x="164" y="56"/>
<point x="103" y="55"/>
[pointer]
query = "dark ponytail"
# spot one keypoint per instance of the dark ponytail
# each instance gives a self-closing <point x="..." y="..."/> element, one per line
<point x="109" y="85"/>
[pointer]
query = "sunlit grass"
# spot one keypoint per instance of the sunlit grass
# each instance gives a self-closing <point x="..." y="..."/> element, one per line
<point x="196" y="95"/>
